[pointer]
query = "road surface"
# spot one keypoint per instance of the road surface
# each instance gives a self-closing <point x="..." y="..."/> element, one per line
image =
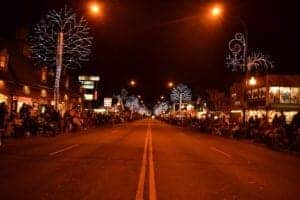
<point x="145" y="160"/>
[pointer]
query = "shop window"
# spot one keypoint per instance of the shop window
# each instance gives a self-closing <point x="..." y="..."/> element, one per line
<point x="44" y="75"/>
<point x="3" y="60"/>
<point x="43" y="93"/>
<point x="255" y="94"/>
<point x="295" y="95"/>
<point x="274" y="94"/>
<point x="285" y="94"/>
<point x="262" y="92"/>
<point x="3" y="98"/>
<point x="2" y="84"/>
<point x="26" y="89"/>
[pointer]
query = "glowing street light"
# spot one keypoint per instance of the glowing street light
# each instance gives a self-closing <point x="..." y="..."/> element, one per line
<point x="216" y="11"/>
<point x="94" y="8"/>
<point x="162" y="97"/>
<point x="170" y="84"/>
<point x="132" y="83"/>
<point x="252" y="81"/>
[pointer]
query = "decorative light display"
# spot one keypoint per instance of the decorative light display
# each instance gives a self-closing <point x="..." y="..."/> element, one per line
<point x="132" y="103"/>
<point x="239" y="60"/>
<point x="181" y="93"/>
<point x="259" y="62"/>
<point x="60" y="39"/>
<point x="160" y="108"/>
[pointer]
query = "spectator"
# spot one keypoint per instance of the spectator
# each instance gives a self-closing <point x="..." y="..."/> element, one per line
<point x="296" y="121"/>
<point x="275" y="121"/>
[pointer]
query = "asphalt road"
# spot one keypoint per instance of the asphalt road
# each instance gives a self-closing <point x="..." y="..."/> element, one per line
<point x="145" y="160"/>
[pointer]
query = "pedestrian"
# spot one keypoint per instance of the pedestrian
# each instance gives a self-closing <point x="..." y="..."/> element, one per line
<point x="275" y="121"/>
<point x="296" y="121"/>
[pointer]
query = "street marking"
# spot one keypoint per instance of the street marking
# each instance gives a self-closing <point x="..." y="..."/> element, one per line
<point x="152" y="190"/>
<point x="147" y="156"/>
<point x="221" y="152"/>
<point x="140" y="189"/>
<point x="62" y="150"/>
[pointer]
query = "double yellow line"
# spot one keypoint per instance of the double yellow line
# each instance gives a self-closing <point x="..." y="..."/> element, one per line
<point x="147" y="156"/>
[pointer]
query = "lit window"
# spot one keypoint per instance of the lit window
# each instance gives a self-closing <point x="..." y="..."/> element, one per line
<point x="2" y="84"/>
<point x="295" y="95"/>
<point x="44" y="74"/>
<point x="262" y="92"/>
<point x="43" y="93"/>
<point x="3" y="60"/>
<point x="285" y="95"/>
<point x="274" y="94"/>
<point x="88" y="97"/>
<point x="26" y="89"/>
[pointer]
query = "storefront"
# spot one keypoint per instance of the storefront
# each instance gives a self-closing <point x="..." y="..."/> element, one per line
<point x="19" y="101"/>
<point x="3" y="98"/>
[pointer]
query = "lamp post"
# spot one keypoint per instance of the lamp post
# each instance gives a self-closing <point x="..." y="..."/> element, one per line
<point x="132" y="83"/>
<point x="180" y="104"/>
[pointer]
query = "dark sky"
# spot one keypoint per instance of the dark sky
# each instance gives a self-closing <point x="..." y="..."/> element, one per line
<point x="142" y="39"/>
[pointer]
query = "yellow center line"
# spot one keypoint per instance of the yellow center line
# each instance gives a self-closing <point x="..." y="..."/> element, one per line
<point x="152" y="189"/>
<point x="140" y="189"/>
<point x="147" y="156"/>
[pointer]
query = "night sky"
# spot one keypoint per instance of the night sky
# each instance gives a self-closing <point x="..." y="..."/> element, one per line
<point x="156" y="41"/>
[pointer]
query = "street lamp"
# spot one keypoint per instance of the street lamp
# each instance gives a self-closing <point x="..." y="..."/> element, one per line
<point x="252" y="81"/>
<point x="94" y="8"/>
<point x="132" y="83"/>
<point x="216" y="11"/>
<point x="170" y="84"/>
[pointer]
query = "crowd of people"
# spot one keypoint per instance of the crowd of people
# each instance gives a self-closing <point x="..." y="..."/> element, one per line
<point x="49" y="122"/>
<point x="278" y="134"/>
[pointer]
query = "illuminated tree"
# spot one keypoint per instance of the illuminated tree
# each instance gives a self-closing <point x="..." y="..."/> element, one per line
<point x="161" y="107"/>
<point x="60" y="39"/>
<point x="132" y="103"/>
<point x="124" y="94"/>
<point x="181" y="93"/>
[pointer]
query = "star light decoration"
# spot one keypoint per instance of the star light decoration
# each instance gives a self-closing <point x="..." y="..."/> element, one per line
<point x="238" y="59"/>
<point x="181" y="92"/>
<point x="77" y="42"/>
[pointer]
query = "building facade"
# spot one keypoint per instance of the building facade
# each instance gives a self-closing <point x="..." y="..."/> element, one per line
<point x="23" y="83"/>
<point x="267" y="95"/>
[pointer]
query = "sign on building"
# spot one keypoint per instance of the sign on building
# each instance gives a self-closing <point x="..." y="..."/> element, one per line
<point x="107" y="102"/>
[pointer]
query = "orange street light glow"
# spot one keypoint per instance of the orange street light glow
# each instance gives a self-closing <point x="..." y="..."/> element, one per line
<point x="170" y="84"/>
<point x="95" y="8"/>
<point x="216" y="11"/>
<point x="132" y="83"/>
<point x="252" y="81"/>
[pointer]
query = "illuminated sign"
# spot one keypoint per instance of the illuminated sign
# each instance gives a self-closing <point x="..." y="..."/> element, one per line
<point x="88" y="97"/>
<point x="89" y="78"/>
<point x="107" y="102"/>
<point x="89" y="87"/>
<point x="94" y="78"/>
